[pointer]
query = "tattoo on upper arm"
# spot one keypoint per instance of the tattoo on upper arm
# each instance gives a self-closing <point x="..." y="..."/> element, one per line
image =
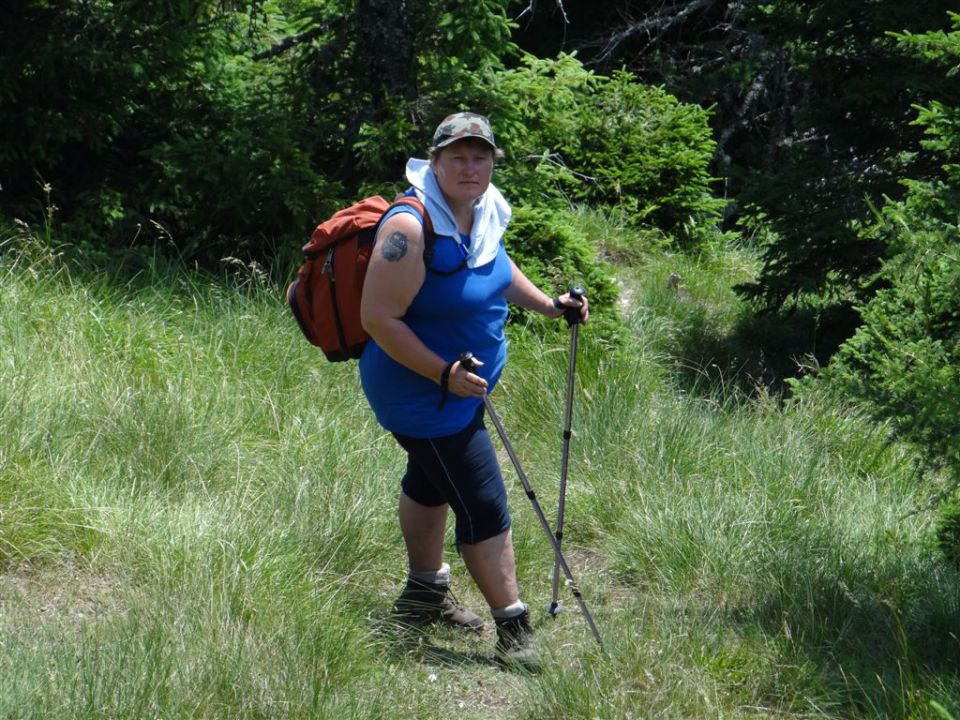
<point x="394" y="246"/>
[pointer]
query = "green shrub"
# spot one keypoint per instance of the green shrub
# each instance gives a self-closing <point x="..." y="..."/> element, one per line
<point x="905" y="359"/>
<point x="904" y="362"/>
<point x="606" y="141"/>
<point x="649" y="154"/>
<point x="948" y="530"/>
<point x="555" y="254"/>
<point x="152" y="122"/>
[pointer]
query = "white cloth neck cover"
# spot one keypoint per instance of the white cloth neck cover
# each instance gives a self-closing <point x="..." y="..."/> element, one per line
<point x="491" y="213"/>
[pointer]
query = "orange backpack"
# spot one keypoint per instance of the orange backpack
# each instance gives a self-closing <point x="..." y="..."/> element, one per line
<point x="325" y="296"/>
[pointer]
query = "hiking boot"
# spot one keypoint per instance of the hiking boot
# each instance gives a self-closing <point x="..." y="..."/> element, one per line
<point x="423" y="603"/>
<point x="515" y="648"/>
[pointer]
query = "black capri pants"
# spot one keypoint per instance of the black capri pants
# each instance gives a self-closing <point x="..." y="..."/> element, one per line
<point x="460" y="470"/>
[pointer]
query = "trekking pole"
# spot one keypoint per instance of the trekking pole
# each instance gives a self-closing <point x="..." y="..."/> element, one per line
<point x="572" y="316"/>
<point x="467" y="361"/>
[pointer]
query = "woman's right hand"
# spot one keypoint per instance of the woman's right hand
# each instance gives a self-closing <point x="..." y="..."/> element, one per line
<point x="465" y="383"/>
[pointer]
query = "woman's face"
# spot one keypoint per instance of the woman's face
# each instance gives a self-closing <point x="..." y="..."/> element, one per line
<point x="464" y="170"/>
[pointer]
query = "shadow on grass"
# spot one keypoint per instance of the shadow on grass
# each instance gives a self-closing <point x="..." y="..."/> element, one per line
<point x="761" y="352"/>
<point x="878" y="641"/>
<point x="420" y="645"/>
<point x="436" y="655"/>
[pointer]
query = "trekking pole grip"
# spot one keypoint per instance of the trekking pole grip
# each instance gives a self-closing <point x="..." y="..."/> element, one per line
<point x="467" y="361"/>
<point x="572" y="314"/>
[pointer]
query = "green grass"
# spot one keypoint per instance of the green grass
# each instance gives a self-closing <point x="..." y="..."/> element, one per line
<point x="197" y="520"/>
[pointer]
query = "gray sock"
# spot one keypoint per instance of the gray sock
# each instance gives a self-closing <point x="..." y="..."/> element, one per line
<point x="517" y="608"/>
<point x="434" y="577"/>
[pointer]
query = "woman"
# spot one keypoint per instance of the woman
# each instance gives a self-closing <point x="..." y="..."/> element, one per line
<point x="425" y="301"/>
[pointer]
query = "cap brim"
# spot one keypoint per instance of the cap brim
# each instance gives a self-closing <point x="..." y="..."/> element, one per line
<point x="451" y="141"/>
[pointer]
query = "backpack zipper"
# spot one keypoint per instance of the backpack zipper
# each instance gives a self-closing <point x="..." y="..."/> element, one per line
<point x="328" y="271"/>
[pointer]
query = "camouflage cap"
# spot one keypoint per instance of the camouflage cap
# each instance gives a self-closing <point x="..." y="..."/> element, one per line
<point x="460" y="126"/>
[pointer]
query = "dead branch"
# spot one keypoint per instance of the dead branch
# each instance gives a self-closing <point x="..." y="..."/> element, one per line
<point x="304" y="37"/>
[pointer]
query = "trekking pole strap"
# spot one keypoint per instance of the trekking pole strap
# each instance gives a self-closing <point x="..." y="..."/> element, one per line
<point x="445" y="384"/>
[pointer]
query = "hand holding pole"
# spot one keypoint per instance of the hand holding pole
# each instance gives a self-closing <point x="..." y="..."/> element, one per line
<point x="572" y="314"/>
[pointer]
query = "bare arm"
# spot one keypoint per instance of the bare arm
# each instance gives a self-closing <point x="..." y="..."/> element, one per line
<point x="524" y="293"/>
<point x="394" y="277"/>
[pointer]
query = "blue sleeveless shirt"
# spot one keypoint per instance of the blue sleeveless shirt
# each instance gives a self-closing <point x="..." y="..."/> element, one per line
<point x="464" y="310"/>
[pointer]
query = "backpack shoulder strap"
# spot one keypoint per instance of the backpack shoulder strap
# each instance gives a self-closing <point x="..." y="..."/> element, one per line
<point x="429" y="234"/>
<point x="413" y="201"/>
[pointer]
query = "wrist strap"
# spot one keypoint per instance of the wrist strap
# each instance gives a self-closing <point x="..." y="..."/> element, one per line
<point x="444" y="384"/>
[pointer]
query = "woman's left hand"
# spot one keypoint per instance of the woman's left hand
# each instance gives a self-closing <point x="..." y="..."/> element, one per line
<point x="561" y="303"/>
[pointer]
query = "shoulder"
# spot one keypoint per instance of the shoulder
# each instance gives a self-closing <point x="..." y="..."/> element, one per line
<point x="406" y="205"/>
<point x="402" y="219"/>
<point x="400" y="236"/>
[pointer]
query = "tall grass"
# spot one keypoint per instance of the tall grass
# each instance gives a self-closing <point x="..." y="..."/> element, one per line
<point x="197" y="519"/>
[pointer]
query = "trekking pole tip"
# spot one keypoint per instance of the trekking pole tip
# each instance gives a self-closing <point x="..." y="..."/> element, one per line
<point x="554" y="609"/>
